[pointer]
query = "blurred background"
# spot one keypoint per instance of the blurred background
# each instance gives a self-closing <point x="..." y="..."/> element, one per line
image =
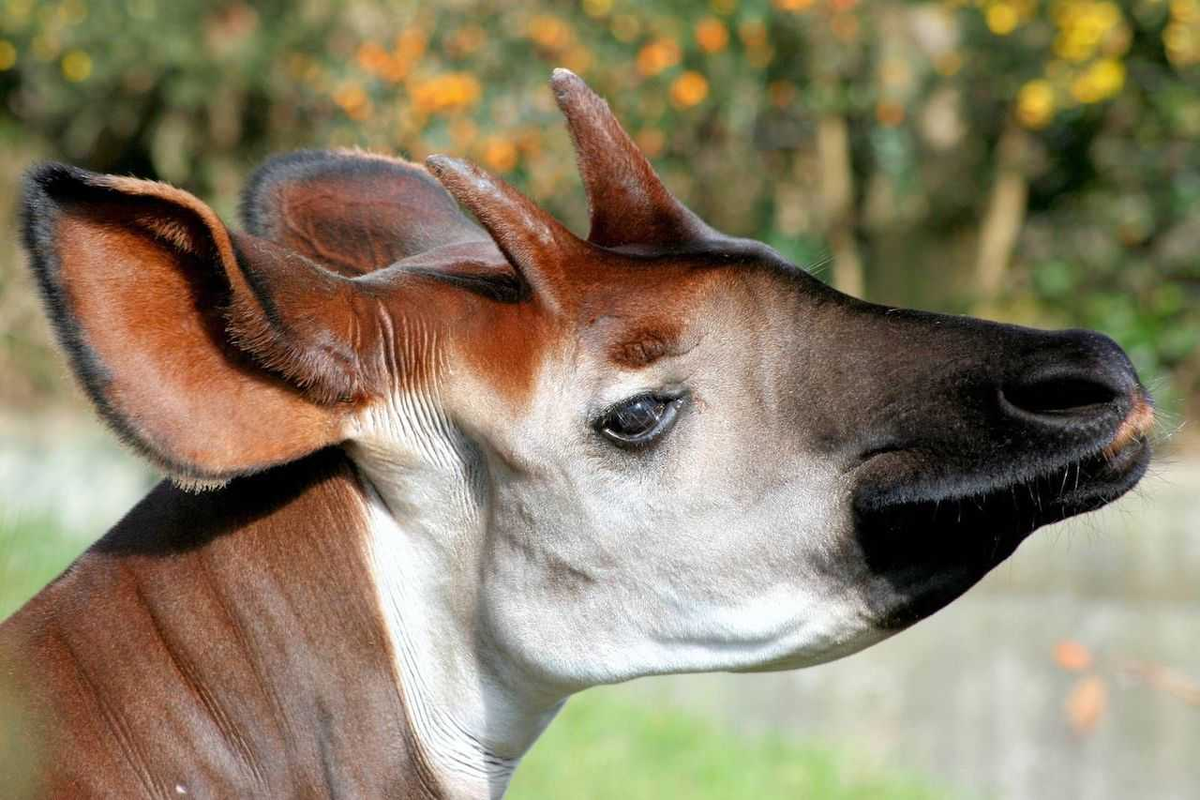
<point x="1036" y="161"/>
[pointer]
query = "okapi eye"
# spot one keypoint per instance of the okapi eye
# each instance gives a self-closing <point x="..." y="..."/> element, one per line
<point x="639" y="420"/>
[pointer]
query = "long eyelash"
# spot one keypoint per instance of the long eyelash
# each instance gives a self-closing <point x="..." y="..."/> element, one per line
<point x="637" y="413"/>
<point x="628" y="415"/>
<point x="616" y="407"/>
<point x="662" y="396"/>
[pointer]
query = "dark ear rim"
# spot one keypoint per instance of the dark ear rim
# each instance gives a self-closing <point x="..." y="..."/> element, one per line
<point x="39" y="214"/>
<point x="299" y="165"/>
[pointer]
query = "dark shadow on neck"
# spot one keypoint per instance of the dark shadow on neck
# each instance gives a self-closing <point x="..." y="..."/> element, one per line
<point x="172" y="520"/>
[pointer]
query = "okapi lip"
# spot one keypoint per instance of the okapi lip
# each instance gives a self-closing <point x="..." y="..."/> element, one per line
<point x="926" y="552"/>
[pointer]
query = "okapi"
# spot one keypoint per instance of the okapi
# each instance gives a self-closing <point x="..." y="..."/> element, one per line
<point x="431" y="476"/>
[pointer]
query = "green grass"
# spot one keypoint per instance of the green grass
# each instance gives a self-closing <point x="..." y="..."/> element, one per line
<point x="602" y="745"/>
<point x="32" y="553"/>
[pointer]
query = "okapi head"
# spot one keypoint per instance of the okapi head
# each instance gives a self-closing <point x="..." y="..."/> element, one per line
<point x="658" y="449"/>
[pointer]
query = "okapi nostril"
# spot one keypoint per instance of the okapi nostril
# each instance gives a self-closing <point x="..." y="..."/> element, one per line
<point x="1061" y="395"/>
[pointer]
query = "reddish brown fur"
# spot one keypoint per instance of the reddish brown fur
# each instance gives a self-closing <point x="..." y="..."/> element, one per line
<point x="622" y="310"/>
<point x="644" y="345"/>
<point x="1136" y="426"/>
<point x="189" y="648"/>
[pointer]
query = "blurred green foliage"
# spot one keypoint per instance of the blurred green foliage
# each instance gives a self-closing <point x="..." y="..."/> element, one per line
<point x="1037" y="160"/>
<point x="32" y="553"/>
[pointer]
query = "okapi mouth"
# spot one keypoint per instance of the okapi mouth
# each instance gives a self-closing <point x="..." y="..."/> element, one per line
<point x="926" y="551"/>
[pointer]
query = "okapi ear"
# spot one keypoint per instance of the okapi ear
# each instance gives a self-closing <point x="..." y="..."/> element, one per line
<point x="351" y="211"/>
<point x="537" y="245"/>
<point x="214" y="355"/>
<point x="629" y="204"/>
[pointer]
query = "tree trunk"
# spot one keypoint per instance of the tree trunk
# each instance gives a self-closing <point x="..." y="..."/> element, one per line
<point x="1004" y="217"/>
<point x="837" y="202"/>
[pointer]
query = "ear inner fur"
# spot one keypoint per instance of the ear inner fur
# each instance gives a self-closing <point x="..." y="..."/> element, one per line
<point x="136" y="276"/>
<point x="272" y="321"/>
<point x="352" y="211"/>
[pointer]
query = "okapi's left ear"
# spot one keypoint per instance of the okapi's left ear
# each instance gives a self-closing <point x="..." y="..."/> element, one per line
<point x="214" y="354"/>
<point x="351" y="211"/>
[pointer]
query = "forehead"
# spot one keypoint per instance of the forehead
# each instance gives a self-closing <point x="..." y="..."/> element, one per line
<point x="639" y="315"/>
<point x="627" y="315"/>
<point x="637" y="312"/>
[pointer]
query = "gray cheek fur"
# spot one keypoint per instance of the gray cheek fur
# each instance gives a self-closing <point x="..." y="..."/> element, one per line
<point x="713" y="569"/>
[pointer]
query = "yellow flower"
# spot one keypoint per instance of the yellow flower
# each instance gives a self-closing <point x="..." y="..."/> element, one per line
<point x="651" y="141"/>
<point x="1099" y="82"/>
<point x="1105" y="15"/>
<point x="353" y="101"/>
<point x="1035" y="103"/>
<point x="76" y="66"/>
<point x="451" y="92"/>
<point x="1002" y="18"/>
<point x="689" y="89"/>
<point x="410" y="45"/>
<point x="711" y="35"/>
<point x="1181" y="37"/>
<point x="1083" y="25"/>
<point x="659" y="55"/>
<point x="394" y="65"/>
<point x="793" y="5"/>
<point x="371" y="56"/>
<point x="500" y="155"/>
<point x="597" y="9"/>
<point x="1182" y="44"/>
<point x="549" y="32"/>
<point x="8" y="55"/>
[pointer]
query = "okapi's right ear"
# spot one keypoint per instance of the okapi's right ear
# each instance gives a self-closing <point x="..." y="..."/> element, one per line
<point x="351" y="211"/>
<point x="214" y="354"/>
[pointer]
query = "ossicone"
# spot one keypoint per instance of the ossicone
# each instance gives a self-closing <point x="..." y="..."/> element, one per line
<point x="630" y="206"/>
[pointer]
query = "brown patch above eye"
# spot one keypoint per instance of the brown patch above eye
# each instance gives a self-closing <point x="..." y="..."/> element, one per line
<point x="644" y="346"/>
